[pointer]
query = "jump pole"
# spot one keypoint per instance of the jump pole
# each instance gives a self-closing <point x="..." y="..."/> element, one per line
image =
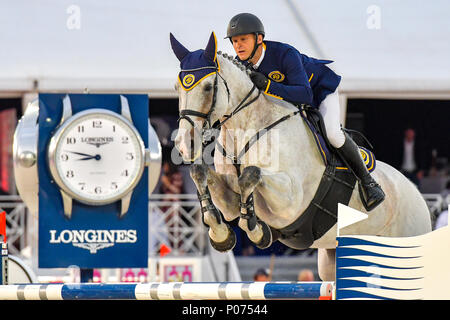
<point x="169" y="291"/>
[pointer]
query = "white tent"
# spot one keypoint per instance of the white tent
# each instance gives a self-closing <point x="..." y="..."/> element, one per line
<point x="381" y="48"/>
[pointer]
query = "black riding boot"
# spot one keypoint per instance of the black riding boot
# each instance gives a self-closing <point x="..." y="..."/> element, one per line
<point x="372" y="191"/>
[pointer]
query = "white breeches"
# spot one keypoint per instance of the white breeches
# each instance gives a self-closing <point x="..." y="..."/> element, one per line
<point x="331" y="113"/>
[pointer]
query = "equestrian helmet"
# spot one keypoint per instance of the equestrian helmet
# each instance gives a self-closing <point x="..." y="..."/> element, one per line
<point x="244" y="23"/>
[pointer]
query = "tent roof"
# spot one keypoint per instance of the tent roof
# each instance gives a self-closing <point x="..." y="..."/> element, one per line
<point x="124" y="45"/>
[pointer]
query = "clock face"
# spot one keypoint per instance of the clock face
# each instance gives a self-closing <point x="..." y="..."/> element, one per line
<point x="96" y="156"/>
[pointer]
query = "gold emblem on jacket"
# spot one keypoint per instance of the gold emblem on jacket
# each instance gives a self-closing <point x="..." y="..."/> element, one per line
<point x="276" y="76"/>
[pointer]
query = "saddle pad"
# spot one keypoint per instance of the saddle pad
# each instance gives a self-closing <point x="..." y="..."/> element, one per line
<point x="367" y="155"/>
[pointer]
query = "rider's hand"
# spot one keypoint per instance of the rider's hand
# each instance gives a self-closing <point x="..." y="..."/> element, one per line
<point x="259" y="80"/>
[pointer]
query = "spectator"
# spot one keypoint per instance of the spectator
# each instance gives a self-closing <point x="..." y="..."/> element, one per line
<point x="247" y="248"/>
<point x="409" y="165"/>
<point x="442" y="220"/>
<point x="414" y="156"/>
<point x="261" y="275"/>
<point x="446" y="192"/>
<point x="305" y="275"/>
<point x="171" y="179"/>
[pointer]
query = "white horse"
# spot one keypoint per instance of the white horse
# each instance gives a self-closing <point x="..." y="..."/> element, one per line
<point x="285" y="178"/>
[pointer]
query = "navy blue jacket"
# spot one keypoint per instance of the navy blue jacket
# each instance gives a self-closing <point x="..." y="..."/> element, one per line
<point x="295" y="77"/>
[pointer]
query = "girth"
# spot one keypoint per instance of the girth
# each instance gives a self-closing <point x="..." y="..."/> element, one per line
<point x="321" y="214"/>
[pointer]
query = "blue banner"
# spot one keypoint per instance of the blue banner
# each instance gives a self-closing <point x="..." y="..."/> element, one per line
<point x="93" y="236"/>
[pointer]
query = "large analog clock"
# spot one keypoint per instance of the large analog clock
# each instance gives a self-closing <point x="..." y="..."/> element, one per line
<point x="96" y="157"/>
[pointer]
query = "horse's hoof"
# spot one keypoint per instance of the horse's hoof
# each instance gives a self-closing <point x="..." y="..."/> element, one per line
<point x="227" y="244"/>
<point x="266" y="239"/>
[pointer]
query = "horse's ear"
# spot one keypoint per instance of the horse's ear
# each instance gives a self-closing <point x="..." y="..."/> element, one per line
<point x="211" y="47"/>
<point x="179" y="50"/>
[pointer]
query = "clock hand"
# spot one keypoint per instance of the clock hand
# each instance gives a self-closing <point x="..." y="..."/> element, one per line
<point x="87" y="156"/>
<point x="96" y="157"/>
<point x="81" y="154"/>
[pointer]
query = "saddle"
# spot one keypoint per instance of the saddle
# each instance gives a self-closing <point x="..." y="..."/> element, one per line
<point x="336" y="186"/>
<point x="313" y="118"/>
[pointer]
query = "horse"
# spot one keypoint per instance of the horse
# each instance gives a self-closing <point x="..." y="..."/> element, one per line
<point x="273" y="182"/>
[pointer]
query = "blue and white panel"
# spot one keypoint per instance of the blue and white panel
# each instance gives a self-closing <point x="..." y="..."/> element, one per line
<point x="373" y="268"/>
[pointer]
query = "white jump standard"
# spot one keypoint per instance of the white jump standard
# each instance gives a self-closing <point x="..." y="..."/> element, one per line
<point x="169" y="291"/>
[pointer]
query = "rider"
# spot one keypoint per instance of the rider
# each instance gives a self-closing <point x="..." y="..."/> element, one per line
<point x="284" y="73"/>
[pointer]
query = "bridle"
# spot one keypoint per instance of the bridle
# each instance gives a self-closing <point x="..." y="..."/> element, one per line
<point x="208" y="127"/>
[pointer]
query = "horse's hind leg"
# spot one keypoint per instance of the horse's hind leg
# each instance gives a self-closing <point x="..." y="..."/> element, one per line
<point x="257" y="231"/>
<point x="326" y="261"/>
<point x="222" y="237"/>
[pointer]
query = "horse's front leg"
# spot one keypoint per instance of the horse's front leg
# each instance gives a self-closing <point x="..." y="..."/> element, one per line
<point x="213" y="187"/>
<point x="257" y="230"/>
<point x="281" y="201"/>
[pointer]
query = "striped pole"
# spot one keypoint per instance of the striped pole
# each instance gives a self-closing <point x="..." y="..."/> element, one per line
<point x="169" y="291"/>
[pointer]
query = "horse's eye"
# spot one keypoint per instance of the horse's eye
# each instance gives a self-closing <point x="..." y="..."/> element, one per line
<point x="208" y="87"/>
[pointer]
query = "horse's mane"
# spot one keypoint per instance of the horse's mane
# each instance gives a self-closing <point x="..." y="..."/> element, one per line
<point x="246" y="71"/>
<point x="235" y="62"/>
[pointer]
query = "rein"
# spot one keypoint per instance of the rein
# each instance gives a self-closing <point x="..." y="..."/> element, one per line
<point x="235" y="159"/>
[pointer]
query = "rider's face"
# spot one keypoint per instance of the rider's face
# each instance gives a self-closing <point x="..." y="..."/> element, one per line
<point x="243" y="45"/>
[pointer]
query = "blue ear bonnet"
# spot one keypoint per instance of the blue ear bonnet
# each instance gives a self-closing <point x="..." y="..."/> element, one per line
<point x="194" y="68"/>
<point x="196" y="65"/>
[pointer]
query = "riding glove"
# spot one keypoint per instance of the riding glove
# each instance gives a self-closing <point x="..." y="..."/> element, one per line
<point x="259" y="80"/>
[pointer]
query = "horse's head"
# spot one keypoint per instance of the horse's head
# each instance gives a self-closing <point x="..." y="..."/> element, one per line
<point x="201" y="98"/>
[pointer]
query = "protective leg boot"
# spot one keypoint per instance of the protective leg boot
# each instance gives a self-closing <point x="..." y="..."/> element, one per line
<point x="371" y="190"/>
